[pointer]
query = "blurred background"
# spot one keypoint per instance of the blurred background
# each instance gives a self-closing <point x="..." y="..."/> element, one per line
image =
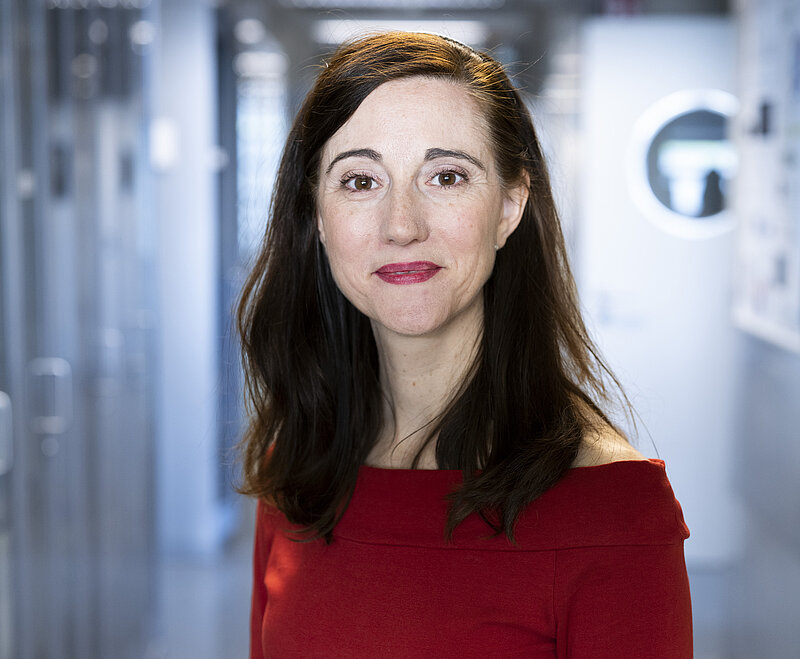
<point x="138" y="146"/>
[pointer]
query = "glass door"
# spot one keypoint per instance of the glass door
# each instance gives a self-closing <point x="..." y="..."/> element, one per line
<point x="77" y="569"/>
<point x="9" y="282"/>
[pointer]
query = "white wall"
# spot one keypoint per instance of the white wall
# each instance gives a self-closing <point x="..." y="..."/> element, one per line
<point x="660" y="303"/>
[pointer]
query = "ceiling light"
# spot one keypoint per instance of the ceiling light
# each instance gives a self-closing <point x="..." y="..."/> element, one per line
<point x="335" y="32"/>
<point x="249" y="31"/>
<point x="254" y="64"/>
<point x="394" y="4"/>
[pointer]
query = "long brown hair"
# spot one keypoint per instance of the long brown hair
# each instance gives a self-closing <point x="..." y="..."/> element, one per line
<point x="311" y="364"/>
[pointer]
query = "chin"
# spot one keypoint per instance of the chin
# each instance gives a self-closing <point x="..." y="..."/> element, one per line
<point x="412" y="329"/>
<point x="412" y="323"/>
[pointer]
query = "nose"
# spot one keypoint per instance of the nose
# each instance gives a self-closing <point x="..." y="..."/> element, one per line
<point x="404" y="219"/>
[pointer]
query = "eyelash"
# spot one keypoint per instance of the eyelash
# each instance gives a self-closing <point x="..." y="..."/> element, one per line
<point x="350" y="176"/>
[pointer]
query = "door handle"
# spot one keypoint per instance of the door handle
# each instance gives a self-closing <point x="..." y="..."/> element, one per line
<point x="51" y="388"/>
<point x="6" y="435"/>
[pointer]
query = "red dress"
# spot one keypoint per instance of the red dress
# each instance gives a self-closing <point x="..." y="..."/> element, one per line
<point x="598" y="572"/>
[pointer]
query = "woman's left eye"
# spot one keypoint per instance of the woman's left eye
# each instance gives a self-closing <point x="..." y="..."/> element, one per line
<point x="448" y="178"/>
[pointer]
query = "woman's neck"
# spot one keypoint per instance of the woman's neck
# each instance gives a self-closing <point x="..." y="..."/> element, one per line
<point x="419" y="375"/>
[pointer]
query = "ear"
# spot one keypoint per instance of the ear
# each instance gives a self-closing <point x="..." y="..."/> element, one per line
<point x="513" y="207"/>
<point x="320" y="228"/>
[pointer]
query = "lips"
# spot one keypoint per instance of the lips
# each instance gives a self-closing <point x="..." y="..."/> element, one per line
<point x="414" y="272"/>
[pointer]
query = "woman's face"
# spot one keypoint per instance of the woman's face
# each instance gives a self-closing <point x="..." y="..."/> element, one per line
<point x="410" y="207"/>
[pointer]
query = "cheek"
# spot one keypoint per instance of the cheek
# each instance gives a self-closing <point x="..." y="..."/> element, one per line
<point x="472" y="233"/>
<point x="345" y="246"/>
<point x="346" y="250"/>
<point x="341" y="231"/>
<point x="470" y="240"/>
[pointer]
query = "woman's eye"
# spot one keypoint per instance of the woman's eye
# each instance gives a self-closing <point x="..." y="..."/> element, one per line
<point x="448" y="179"/>
<point x="359" y="182"/>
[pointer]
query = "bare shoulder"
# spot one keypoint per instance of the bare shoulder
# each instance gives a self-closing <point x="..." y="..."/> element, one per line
<point x="603" y="447"/>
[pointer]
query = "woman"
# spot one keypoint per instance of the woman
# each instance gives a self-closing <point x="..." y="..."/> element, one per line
<point x="435" y="473"/>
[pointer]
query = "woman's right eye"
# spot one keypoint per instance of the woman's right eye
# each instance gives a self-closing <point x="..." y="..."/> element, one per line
<point x="359" y="182"/>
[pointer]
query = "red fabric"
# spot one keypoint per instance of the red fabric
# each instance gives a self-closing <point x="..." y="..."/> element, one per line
<point x="598" y="571"/>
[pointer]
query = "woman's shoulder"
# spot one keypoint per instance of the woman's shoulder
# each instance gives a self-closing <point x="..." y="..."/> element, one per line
<point x="605" y="446"/>
<point x="613" y="495"/>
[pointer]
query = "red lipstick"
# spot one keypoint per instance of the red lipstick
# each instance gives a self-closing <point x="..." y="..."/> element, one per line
<point x="414" y="272"/>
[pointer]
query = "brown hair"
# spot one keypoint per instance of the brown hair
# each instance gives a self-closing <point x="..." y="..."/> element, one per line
<point x="310" y="358"/>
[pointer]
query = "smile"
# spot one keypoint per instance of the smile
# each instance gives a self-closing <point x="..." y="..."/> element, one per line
<point x="407" y="273"/>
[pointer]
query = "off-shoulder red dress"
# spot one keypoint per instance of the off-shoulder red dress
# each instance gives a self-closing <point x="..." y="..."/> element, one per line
<point x="598" y="572"/>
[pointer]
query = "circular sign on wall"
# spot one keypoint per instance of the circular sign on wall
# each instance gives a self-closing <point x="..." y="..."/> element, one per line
<point x="681" y="163"/>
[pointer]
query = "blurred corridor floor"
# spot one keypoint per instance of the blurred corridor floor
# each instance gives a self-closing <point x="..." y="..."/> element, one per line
<point x="204" y="605"/>
<point x="709" y="610"/>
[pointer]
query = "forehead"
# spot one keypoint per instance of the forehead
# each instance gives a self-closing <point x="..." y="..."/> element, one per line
<point x="413" y="113"/>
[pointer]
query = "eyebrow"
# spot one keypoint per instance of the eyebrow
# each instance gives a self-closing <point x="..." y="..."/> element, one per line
<point x="355" y="153"/>
<point x="430" y="154"/>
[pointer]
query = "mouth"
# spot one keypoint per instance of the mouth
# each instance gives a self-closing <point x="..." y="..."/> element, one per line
<point x="414" y="272"/>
